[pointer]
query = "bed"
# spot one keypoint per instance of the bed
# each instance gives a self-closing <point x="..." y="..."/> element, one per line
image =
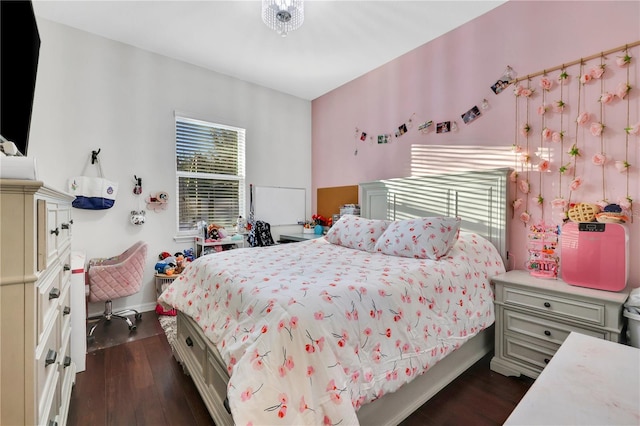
<point x="352" y="327"/>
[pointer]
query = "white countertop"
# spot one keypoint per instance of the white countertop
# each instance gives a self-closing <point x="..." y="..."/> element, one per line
<point x="588" y="381"/>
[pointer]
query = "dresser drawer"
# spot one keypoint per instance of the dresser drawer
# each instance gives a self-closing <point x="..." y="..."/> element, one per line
<point x="48" y="293"/>
<point x="543" y="329"/>
<point x="582" y="311"/>
<point x="46" y="368"/>
<point x="193" y="347"/>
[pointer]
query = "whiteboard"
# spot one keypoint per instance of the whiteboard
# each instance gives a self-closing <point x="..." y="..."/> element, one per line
<point x="279" y="206"/>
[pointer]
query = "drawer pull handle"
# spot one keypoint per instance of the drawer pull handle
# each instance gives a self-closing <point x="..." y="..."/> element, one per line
<point x="71" y="222"/>
<point x="66" y="267"/>
<point x="52" y="423"/>
<point x="546" y="360"/>
<point x="54" y="293"/>
<point x="66" y="310"/>
<point x="189" y="341"/>
<point x="55" y="231"/>
<point x="226" y="405"/>
<point x="51" y="357"/>
<point x="65" y="226"/>
<point x="547" y="304"/>
<point x="67" y="361"/>
<point x="547" y="333"/>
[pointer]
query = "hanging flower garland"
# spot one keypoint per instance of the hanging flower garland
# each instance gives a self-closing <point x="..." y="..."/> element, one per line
<point x="559" y="203"/>
<point x="525" y="157"/>
<point x="583" y="118"/>
<point x="626" y="203"/>
<point x="597" y="128"/>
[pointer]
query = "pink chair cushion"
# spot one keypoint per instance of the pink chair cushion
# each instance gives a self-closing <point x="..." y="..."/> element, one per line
<point x="118" y="276"/>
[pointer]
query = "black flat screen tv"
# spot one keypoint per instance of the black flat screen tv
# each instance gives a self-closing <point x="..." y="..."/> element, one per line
<point x="19" y="52"/>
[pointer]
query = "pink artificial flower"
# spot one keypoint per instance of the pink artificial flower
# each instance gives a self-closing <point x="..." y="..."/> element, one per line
<point x="542" y="109"/>
<point x="633" y="130"/>
<point x="625" y="203"/>
<point x="525" y="158"/>
<point x="556" y="137"/>
<point x="543" y="166"/>
<point x="558" y="106"/>
<point x="525" y="129"/>
<point x="599" y="159"/>
<point x="525" y="217"/>
<point x="563" y="78"/>
<point x="517" y="203"/>
<point x="596" y="129"/>
<point x="621" y="166"/>
<point x="526" y="92"/>
<point x="559" y="203"/>
<point x="583" y="118"/>
<point x="518" y="90"/>
<point x="606" y="98"/>
<point x="585" y="78"/>
<point x="575" y="184"/>
<point x="566" y="169"/>
<point x="516" y="148"/>
<point x="546" y="83"/>
<point x="596" y="72"/>
<point x="524" y="186"/>
<point x="514" y="176"/>
<point x="546" y="133"/>
<point x="622" y="61"/>
<point x="622" y="89"/>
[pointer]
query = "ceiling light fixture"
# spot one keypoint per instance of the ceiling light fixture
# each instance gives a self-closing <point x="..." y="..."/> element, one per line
<point x="283" y="15"/>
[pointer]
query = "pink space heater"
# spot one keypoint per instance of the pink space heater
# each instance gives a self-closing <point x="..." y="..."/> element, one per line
<point x="595" y="255"/>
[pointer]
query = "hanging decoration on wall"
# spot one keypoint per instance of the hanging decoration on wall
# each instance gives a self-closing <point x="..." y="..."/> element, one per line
<point x="137" y="217"/>
<point x="471" y="114"/>
<point x="443" y="127"/>
<point x="425" y="127"/>
<point x="158" y="202"/>
<point x="504" y="81"/>
<point x="592" y="151"/>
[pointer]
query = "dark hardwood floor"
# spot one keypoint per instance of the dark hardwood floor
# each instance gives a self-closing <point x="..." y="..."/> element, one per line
<point x="138" y="382"/>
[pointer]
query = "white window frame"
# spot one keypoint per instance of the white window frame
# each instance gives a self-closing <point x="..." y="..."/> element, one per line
<point x="240" y="177"/>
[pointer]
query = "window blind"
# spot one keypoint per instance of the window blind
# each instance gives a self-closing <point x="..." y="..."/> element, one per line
<point x="210" y="173"/>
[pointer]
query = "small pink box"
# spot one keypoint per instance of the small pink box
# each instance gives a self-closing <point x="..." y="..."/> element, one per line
<point x="595" y="255"/>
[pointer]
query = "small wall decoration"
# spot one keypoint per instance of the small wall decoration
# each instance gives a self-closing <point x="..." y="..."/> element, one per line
<point x="504" y="81"/>
<point x="158" y="201"/>
<point x="383" y="138"/>
<point x="443" y="127"/>
<point x="471" y="115"/>
<point x="425" y="127"/>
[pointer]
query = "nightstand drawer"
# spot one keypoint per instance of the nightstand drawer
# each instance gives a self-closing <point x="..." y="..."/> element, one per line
<point x="543" y="329"/>
<point x="533" y="355"/>
<point x="581" y="311"/>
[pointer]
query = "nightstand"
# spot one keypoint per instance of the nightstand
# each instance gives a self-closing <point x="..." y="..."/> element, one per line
<point x="534" y="316"/>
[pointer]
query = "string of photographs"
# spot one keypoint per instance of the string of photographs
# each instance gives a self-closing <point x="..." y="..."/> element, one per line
<point x="428" y="126"/>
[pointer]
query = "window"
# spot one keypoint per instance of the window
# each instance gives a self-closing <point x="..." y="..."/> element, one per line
<point x="209" y="173"/>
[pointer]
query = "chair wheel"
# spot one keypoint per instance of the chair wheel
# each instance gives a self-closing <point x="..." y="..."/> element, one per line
<point x="138" y="316"/>
<point x="132" y="327"/>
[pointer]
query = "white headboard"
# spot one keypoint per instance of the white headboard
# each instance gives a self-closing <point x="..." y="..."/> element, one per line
<point x="479" y="198"/>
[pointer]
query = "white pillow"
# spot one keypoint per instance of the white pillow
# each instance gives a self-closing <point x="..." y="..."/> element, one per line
<point x="422" y="238"/>
<point x="356" y="232"/>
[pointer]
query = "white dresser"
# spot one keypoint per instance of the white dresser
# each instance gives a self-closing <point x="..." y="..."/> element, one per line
<point x="534" y="316"/>
<point x="36" y="370"/>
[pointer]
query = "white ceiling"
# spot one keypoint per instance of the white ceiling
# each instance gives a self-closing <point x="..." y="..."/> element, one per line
<point x="339" y="40"/>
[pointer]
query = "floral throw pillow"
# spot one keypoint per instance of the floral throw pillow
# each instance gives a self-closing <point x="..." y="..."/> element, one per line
<point x="356" y="232"/>
<point x="422" y="238"/>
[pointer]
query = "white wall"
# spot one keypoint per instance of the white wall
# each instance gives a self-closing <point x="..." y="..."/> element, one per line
<point x="95" y="93"/>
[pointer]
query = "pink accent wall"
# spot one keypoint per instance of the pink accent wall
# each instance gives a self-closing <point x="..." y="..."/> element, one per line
<point x="442" y="79"/>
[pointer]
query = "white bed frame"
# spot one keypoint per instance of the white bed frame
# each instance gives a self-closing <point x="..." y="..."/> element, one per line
<point x="479" y="198"/>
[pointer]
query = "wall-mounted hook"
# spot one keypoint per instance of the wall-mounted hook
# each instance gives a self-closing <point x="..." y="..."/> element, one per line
<point x="137" y="189"/>
<point x="94" y="155"/>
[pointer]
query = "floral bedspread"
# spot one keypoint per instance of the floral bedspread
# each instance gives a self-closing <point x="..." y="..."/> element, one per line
<point x="311" y="331"/>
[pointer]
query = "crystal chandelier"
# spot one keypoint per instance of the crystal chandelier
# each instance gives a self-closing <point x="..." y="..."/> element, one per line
<point x="283" y="15"/>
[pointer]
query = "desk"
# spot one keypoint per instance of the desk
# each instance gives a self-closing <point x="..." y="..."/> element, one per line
<point x="296" y="238"/>
<point x="588" y="381"/>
